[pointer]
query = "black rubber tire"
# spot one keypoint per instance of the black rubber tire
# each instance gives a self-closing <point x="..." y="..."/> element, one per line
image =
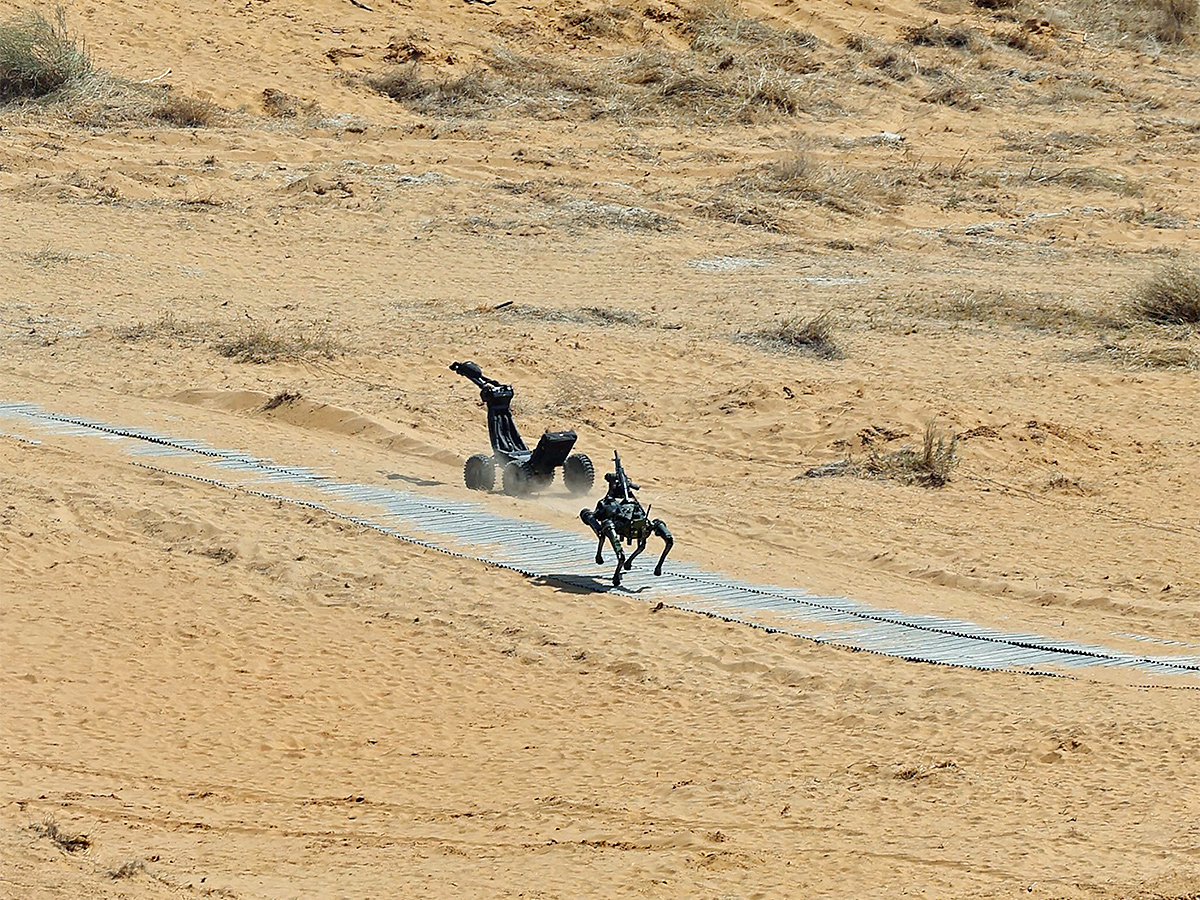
<point x="578" y="473"/>
<point x="516" y="479"/>
<point x="480" y="472"/>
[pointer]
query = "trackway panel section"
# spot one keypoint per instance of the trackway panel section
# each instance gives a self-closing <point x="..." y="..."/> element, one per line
<point x="469" y="529"/>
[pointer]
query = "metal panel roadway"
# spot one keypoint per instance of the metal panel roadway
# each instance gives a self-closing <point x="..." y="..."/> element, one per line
<point x="537" y="550"/>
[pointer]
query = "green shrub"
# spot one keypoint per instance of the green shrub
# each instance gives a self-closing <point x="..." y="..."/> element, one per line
<point x="38" y="57"/>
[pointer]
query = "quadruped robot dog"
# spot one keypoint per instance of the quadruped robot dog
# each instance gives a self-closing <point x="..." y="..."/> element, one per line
<point x="619" y="516"/>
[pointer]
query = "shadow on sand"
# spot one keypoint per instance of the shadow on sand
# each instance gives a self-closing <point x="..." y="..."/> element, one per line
<point x="572" y="583"/>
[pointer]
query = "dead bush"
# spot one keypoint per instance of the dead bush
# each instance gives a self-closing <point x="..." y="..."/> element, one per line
<point x="808" y="335"/>
<point x="932" y="34"/>
<point x="1170" y="297"/>
<point x="68" y="843"/>
<point x="405" y="85"/>
<point x="264" y="345"/>
<point x="929" y="465"/>
<point x="187" y="112"/>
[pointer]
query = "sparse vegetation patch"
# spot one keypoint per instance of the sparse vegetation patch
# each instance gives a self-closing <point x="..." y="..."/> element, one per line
<point x="929" y="465"/>
<point x="127" y="869"/>
<point x="813" y="335"/>
<point x="68" y="843"/>
<point x="736" y="70"/>
<point x="264" y="345"/>
<point x="45" y="68"/>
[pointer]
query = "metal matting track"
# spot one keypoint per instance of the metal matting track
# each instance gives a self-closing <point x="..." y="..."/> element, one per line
<point x="470" y="530"/>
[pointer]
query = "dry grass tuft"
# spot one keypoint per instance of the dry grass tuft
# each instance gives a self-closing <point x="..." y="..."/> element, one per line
<point x="187" y="112"/>
<point x="48" y="257"/>
<point x="1170" y="297"/>
<point x="281" y="399"/>
<point x="930" y="465"/>
<point x="808" y="335"/>
<point x="68" y="843"/>
<point x="464" y="93"/>
<point x="39" y="57"/>
<point x="127" y="869"/>
<point x="956" y="37"/>
<point x="264" y="345"/>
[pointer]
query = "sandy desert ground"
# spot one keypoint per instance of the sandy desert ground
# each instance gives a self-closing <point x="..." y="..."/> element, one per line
<point x="733" y="242"/>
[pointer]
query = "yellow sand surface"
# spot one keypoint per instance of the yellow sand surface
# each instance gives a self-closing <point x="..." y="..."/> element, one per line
<point x="639" y="215"/>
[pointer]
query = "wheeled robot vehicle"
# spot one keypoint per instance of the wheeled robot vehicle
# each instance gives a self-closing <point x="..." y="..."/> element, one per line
<point x="522" y="471"/>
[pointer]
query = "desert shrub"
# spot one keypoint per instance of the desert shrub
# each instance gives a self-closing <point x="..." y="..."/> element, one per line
<point x="186" y="112"/>
<point x="38" y="57"/>
<point x="1170" y="297"/>
<point x="263" y="345"/>
<point x="929" y="465"/>
<point x="405" y="85"/>
<point x="809" y="335"/>
<point x="718" y="29"/>
<point x="931" y="34"/>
